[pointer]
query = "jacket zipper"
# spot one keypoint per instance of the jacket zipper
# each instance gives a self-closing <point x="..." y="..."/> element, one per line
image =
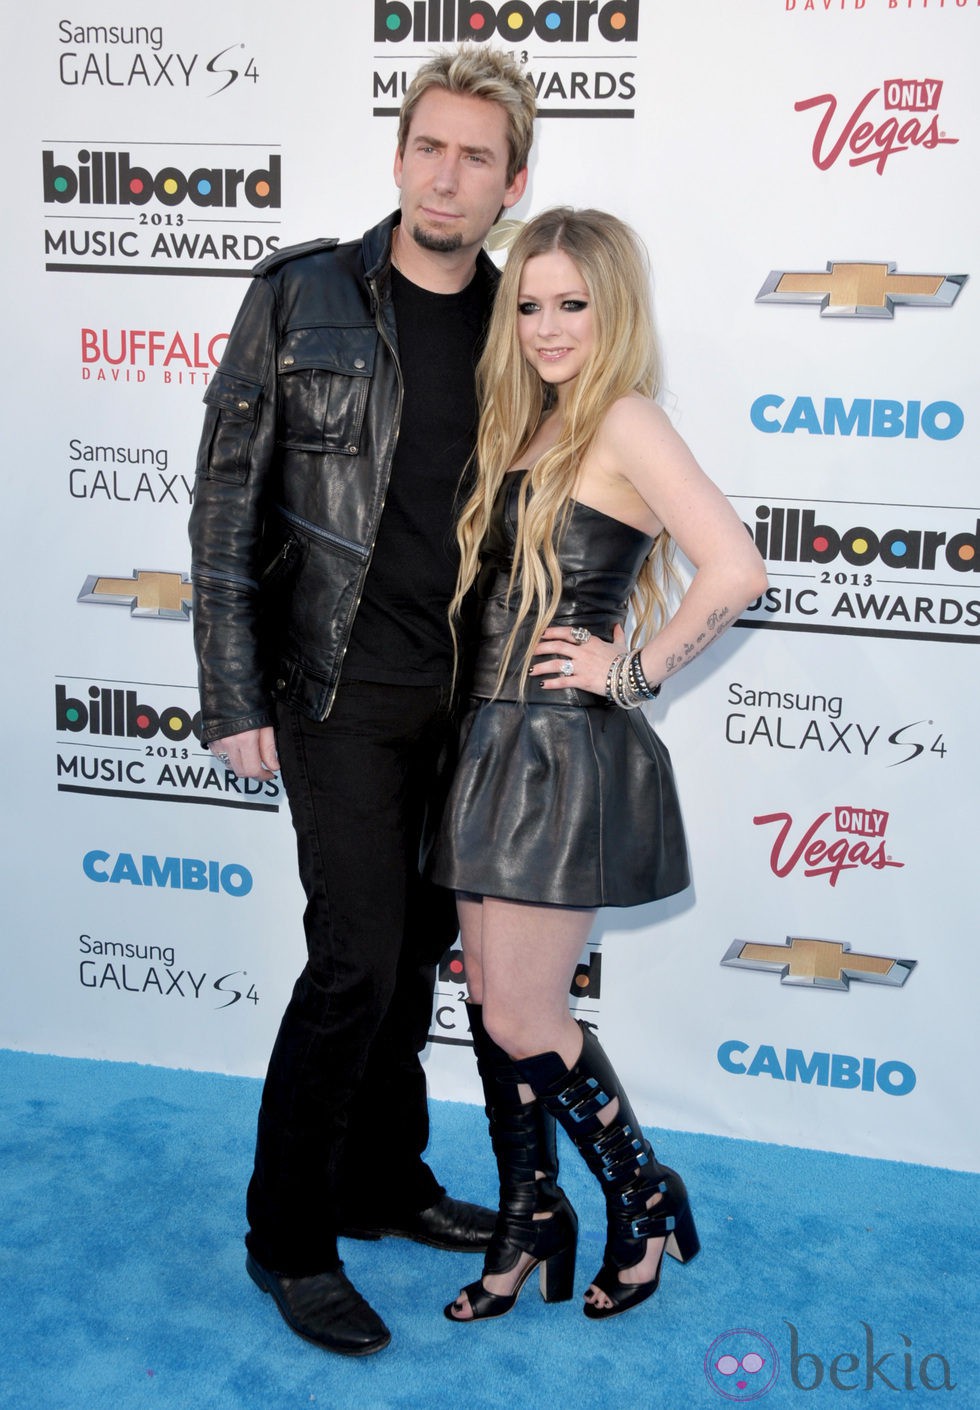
<point x="346" y="546"/>
<point x="367" y="554"/>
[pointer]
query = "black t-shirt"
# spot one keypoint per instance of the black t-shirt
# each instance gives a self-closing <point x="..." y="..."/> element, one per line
<point x="401" y="632"/>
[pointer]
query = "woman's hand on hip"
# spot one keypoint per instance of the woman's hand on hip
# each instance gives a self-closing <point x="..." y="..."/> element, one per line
<point x="580" y="660"/>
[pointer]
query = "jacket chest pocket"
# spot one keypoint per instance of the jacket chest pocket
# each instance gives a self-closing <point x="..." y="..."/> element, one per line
<point x="229" y="427"/>
<point x="324" y="380"/>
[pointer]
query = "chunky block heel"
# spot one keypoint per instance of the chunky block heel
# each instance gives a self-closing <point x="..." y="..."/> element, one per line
<point x="644" y="1199"/>
<point x="683" y="1243"/>
<point x="535" y="1218"/>
<point x="557" y="1276"/>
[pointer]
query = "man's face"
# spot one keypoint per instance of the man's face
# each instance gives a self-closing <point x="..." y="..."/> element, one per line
<point x="453" y="172"/>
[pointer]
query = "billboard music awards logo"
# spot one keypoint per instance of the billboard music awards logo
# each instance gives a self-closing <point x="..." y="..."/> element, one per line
<point x="859" y="569"/>
<point x="139" y="739"/>
<point x="149" y="208"/>
<point x="599" y="83"/>
<point x="450" y="1023"/>
<point x="126" y="57"/>
<point x="900" y="115"/>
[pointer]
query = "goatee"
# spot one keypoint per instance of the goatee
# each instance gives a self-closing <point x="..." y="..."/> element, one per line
<point x="442" y="244"/>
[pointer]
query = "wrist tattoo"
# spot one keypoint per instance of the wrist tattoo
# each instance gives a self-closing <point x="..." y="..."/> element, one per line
<point x="717" y="621"/>
<point x="716" y="624"/>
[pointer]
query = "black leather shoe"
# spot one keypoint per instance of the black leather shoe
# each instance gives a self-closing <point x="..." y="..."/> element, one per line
<point x="325" y="1309"/>
<point x="449" y="1223"/>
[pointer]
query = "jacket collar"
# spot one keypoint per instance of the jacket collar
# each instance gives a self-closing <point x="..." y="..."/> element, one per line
<point x="376" y="252"/>
<point x="376" y="245"/>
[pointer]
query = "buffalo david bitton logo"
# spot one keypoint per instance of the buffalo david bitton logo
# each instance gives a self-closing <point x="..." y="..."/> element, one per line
<point x="817" y="964"/>
<point x="860" y="290"/>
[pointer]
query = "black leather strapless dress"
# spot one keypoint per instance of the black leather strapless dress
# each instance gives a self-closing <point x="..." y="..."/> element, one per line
<point x="562" y="798"/>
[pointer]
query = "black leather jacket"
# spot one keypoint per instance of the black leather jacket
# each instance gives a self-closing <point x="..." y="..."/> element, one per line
<point x="299" y="434"/>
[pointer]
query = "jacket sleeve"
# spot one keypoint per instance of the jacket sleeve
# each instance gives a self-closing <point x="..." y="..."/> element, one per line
<point x="235" y="465"/>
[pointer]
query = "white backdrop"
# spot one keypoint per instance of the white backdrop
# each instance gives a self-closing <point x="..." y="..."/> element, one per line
<point x="825" y="751"/>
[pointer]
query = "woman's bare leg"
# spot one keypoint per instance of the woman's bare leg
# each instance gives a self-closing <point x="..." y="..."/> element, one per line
<point x="529" y="955"/>
<point x="499" y="941"/>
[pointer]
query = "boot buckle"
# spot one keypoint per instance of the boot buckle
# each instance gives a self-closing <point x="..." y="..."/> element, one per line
<point x="581" y="1104"/>
<point x="651" y="1225"/>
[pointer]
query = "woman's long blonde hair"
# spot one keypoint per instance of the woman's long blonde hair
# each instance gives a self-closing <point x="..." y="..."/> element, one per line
<point x="513" y="399"/>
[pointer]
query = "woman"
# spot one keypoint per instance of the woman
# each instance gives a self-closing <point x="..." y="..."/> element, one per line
<point x="564" y="800"/>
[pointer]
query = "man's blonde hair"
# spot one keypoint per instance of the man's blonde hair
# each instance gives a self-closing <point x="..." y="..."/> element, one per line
<point x="476" y="71"/>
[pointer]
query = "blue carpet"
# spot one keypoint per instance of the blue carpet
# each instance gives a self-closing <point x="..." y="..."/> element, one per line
<point x="121" y="1270"/>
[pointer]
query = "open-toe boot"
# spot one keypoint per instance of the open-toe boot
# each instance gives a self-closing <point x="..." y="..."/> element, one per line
<point x="523" y="1138"/>
<point x="644" y="1199"/>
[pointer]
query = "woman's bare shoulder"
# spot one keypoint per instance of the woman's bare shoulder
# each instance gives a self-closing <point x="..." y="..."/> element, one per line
<point x="633" y="426"/>
<point x="635" y="409"/>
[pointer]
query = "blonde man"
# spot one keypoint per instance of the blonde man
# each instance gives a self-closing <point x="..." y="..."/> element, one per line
<point x="338" y="428"/>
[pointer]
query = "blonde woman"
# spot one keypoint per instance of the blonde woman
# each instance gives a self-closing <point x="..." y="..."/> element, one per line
<point x="564" y="799"/>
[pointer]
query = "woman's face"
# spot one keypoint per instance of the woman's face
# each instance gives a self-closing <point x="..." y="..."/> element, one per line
<point x="554" y="318"/>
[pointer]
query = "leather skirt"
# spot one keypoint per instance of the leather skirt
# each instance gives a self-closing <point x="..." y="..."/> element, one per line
<point x="561" y="804"/>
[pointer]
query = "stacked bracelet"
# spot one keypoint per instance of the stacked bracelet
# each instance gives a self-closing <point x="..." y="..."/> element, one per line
<point x="626" y="684"/>
<point x="646" y="690"/>
<point x="611" y="678"/>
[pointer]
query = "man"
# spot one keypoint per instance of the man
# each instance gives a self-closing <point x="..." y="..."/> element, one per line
<point x="338" y="428"/>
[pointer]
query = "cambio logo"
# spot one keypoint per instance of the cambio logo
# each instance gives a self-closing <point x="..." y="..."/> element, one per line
<point x="177" y="873"/>
<point x="879" y="418"/>
<point x="555" y="21"/>
<point x="842" y="1070"/>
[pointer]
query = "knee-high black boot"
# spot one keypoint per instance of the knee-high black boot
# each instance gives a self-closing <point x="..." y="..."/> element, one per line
<point x="523" y="1138"/>
<point x="622" y="1160"/>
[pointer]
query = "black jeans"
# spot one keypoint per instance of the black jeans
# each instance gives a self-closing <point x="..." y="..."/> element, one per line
<point x="343" y="1121"/>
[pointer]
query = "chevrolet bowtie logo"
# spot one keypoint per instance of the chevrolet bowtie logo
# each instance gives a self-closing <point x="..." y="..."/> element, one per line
<point x="166" y="595"/>
<point x="860" y="290"/>
<point x="817" y="964"/>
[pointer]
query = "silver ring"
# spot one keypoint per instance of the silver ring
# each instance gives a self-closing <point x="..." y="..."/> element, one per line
<point x="567" y="667"/>
<point x="225" y="758"/>
<point x="580" y="634"/>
